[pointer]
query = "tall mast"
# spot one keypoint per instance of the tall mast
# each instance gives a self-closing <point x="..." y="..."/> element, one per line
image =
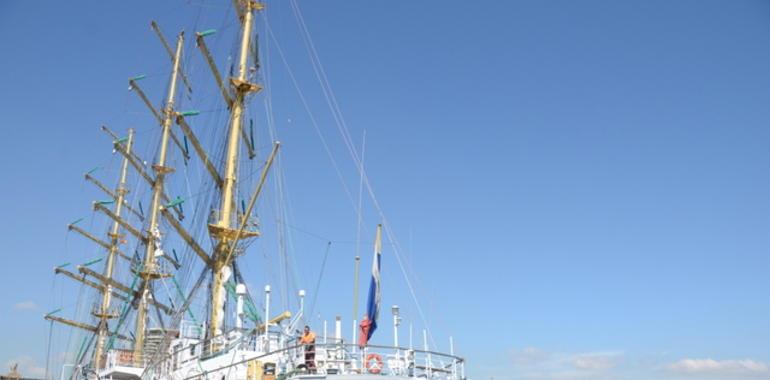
<point x="223" y="232"/>
<point x="104" y="313"/>
<point x="149" y="270"/>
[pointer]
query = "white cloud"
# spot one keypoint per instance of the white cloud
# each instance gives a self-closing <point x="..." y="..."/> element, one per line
<point x="27" y="366"/>
<point x="528" y="356"/>
<point x="537" y="364"/>
<point x="719" y="367"/>
<point x="533" y="363"/>
<point x="25" y="305"/>
<point x="596" y="360"/>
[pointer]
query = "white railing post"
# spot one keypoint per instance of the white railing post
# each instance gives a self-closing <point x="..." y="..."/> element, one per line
<point x="428" y="359"/>
<point x="267" y="318"/>
<point x="326" y="338"/>
<point x="454" y="360"/>
<point x="338" y="340"/>
<point x="396" y="323"/>
<point x="338" y="330"/>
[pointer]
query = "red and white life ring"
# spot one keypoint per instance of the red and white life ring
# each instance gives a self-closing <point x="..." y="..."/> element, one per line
<point x="374" y="363"/>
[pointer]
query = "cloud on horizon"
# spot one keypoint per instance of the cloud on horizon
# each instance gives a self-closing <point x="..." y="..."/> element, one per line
<point x="719" y="367"/>
<point x="25" y="306"/>
<point x="596" y="360"/>
<point x="533" y="363"/>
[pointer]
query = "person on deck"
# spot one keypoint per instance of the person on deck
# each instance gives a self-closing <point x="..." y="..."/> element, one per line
<point x="308" y="340"/>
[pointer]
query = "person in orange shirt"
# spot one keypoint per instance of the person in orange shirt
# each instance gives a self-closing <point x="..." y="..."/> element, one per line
<point x="308" y="340"/>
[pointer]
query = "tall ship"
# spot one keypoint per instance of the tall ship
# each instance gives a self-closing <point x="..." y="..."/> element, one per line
<point x="168" y="298"/>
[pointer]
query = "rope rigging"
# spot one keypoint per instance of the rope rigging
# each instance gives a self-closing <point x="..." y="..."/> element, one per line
<point x="199" y="203"/>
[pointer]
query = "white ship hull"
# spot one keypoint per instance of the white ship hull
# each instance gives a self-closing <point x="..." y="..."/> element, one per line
<point x="251" y="357"/>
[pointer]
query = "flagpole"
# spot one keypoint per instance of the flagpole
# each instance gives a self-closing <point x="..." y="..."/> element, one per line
<point x="355" y="301"/>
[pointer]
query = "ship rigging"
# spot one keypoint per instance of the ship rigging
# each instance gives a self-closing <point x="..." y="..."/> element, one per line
<point x="163" y="314"/>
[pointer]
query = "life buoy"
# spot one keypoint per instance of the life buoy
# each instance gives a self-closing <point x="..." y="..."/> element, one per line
<point x="374" y="363"/>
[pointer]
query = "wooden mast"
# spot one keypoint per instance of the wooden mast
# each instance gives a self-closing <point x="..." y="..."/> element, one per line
<point x="223" y="231"/>
<point x="149" y="270"/>
<point x="104" y="313"/>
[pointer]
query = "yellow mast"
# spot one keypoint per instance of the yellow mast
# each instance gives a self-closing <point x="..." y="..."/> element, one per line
<point x="223" y="232"/>
<point x="104" y="313"/>
<point x="149" y="270"/>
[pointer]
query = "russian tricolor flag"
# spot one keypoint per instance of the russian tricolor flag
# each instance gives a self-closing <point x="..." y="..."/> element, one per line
<point x="373" y="305"/>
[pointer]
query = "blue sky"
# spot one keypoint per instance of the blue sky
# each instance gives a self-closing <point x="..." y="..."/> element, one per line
<point x="580" y="188"/>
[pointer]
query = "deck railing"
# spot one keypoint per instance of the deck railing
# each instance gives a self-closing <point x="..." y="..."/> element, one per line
<point x="342" y="358"/>
<point x="332" y="357"/>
